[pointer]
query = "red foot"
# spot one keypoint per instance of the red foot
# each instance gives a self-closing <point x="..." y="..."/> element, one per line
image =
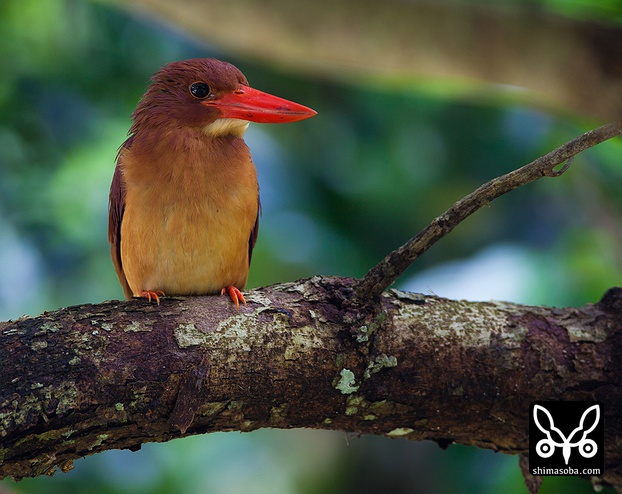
<point x="149" y="294"/>
<point x="235" y="295"/>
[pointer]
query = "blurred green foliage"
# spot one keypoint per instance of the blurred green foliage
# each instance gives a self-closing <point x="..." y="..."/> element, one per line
<point x="339" y="192"/>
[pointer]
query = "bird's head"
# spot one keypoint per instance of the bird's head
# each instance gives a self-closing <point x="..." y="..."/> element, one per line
<point x="211" y="95"/>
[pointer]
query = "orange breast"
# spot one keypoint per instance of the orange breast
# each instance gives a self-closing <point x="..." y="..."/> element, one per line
<point x="190" y="209"/>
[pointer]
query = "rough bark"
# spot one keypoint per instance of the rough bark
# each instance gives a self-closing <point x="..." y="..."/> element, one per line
<point x="115" y="375"/>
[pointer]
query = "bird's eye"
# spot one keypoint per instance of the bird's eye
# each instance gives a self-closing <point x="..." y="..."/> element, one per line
<point x="199" y="90"/>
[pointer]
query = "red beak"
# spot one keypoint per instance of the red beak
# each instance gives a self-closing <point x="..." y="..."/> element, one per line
<point x="250" y="104"/>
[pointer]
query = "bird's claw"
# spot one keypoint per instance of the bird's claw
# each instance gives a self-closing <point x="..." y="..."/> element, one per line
<point x="235" y="295"/>
<point x="150" y="294"/>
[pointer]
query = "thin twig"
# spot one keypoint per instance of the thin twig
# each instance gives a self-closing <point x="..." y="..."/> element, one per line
<point x="392" y="266"/>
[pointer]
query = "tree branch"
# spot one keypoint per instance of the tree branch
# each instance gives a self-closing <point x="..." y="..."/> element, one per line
<point x="393" y="265"/>
<point x="118" y="374"/>
<point x="325" y="353"/>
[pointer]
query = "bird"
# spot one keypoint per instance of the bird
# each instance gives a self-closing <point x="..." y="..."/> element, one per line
<point x="184" y="200"/>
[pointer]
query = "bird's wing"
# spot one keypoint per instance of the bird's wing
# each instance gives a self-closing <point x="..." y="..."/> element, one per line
<point x="116" y="209"/>
<point x="254" y="232"/>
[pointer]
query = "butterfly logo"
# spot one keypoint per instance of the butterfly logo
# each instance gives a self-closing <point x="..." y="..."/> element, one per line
<point x="555" y="438"/>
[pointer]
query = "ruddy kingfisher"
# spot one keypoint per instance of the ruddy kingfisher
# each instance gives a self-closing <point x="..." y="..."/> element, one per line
<point x="184" y="200"/>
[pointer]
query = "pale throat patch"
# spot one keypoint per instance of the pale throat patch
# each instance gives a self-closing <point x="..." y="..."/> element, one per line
<point x="226" y="126"/>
